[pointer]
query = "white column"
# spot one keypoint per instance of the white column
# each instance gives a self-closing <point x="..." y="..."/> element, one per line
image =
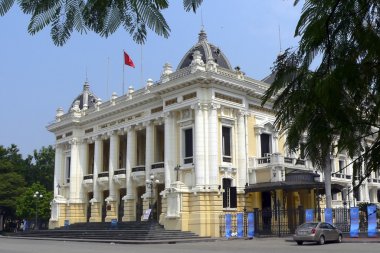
<point x="242" y="152"/>
<point x="58" y="169"/>
<point x="131" y="160"/>
<point x="169" y="149"/>
<point x="83" y="167"/>
<point x="75" y="180"/>
<point x="275" y="142"/>
<point x="98" y="150"/>
<point x="213" y="146"/>
<point x="199" y="146"/>
<point x="258" y="142"/>
<point x="113" y="164"/>
<point x="149" y="150"/>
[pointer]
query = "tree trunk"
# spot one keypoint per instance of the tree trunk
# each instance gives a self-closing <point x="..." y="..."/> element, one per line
<point x="327" y="171"/>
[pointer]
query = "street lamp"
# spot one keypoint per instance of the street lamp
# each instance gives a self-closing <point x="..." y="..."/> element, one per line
<point x="37" y="196"/>
<point x="176" y="168"/>
<point x="150" y="183"/>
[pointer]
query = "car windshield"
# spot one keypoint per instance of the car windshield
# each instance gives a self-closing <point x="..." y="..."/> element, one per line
<point x="308" y="225"/>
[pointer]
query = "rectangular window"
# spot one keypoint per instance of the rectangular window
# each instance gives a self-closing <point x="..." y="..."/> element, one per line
<point x="122" y="152"/>
<point x="226" y="144"/>
<point x="188" y="136"/>
<point x="68" y="168"/>
<point x="229" y="194"/>
<point x="91" y="154"/>
<point x="265" y="145"/>
<point x="106" y="154"/>
<point x="342" y="168"/>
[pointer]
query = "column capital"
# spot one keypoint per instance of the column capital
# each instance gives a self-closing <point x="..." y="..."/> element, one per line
<point x="113" y="132"/>
<point x="96" y="137"/>
<point x="196" y="106"/>
<point x="74" y="141"/>
<point x="129" y="128"/>
<point x="214" y="106"/>
<point x="147" y="123"/>
<point x="159" y="121"/>
<point x="242" y="113"/>
<point x="167" y="115"/>
<point x="105" y="136"/>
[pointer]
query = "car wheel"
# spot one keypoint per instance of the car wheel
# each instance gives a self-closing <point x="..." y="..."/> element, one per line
<point x="339" y="239"/>
<point x="321" y="240"/>
<point x="299" y="242"/>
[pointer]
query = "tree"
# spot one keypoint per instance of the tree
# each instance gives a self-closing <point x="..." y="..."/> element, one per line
<point x="27" y="204"/>
<point x="41" y="167"/>
<point x="337" y="102"/>
<point x="99" y="16"/>
<point x="12" y="182"/>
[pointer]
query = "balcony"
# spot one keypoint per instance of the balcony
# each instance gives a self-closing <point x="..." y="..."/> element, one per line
<point x="138" y="173"/>
<point x="103" y="178"/>
<point x="119" y="176"/>
<point x="88" y="181"/>
<point x="373" y="182"/>
<point x="276" y="159"/>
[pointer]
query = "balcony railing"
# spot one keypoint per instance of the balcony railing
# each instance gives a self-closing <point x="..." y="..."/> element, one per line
<point x="188" y="160"/>
<point x="263" y="160"/>
<point x="103" y="174"/>
<point x="119" y="172"/>
<point x="159" y="165"/>
<point x="88" y="177"/>
<point x="227" y="159"/>
<point x="138" y="168"/>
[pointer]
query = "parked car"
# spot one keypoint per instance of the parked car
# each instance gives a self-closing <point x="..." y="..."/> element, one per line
<point x="319" y="232"/>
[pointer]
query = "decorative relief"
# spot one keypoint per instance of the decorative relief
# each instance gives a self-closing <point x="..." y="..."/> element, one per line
<point x="228" y="112"/>
<point x="186" y="114"/>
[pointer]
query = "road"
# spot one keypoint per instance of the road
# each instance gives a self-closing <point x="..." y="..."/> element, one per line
<point x="268" y="245"/>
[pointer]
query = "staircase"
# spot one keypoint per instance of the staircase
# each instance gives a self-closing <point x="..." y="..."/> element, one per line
<point x="123" y="232"/>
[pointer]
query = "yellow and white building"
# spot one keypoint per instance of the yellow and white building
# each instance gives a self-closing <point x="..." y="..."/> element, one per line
<point x="192" y="145"/>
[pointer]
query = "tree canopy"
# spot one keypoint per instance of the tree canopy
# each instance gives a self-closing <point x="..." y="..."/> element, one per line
<point x="20" y="176"/>
<point x="99" y="16"/>
<point x="328" y="87"/>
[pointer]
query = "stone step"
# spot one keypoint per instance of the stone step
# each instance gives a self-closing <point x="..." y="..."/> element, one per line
<point x="127" y="231"/>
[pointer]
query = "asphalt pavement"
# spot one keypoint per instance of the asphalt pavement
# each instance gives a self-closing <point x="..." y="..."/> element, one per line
<point x="256" y="245"/>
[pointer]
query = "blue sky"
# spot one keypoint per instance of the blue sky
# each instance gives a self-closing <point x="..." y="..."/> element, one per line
<point x="37" y="77"/>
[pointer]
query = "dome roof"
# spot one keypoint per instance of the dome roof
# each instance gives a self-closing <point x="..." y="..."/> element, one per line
<point x="85" y="98"/>
<point x="208" y="52"/>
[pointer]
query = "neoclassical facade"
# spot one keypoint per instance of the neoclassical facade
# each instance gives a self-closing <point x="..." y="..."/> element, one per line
<point x="189" y="147"/>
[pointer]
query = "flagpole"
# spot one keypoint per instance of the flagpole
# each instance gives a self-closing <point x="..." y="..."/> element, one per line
<point x="108" y="73"/>
<point x="123" y="71"/>
<point x="141" y="65"/>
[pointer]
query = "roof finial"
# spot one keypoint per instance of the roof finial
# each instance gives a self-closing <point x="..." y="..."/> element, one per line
<point x="202" y="36"/>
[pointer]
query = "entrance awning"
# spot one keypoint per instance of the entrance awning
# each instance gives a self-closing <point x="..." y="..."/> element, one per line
<point x="295" y="181"/>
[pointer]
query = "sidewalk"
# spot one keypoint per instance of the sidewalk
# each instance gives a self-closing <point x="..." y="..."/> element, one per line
<point x="363" y="238"/>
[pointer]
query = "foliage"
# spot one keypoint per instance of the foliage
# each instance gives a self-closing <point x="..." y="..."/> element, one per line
<point x="28" y="202"/>
<point x="337" y="102"/>
<point x="42" y="169"/>
<point x="12" y="185"/>
<point x="20" y="176"/>
<point x="99" y="16"/>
